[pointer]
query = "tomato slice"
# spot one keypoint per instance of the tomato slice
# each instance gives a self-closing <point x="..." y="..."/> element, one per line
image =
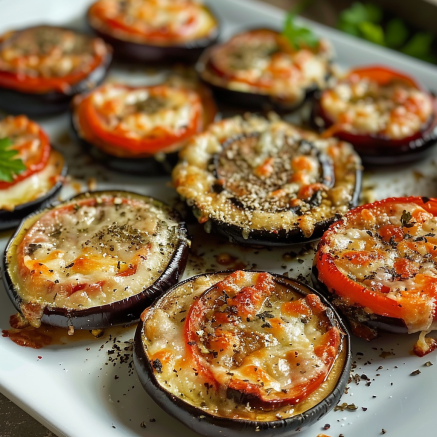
<point x="31" y="143"/>
<point x="161" y="119"/>
<point x="396" y="279"/>
<point x="43" y="59"/>
<point x="237" y="335"/>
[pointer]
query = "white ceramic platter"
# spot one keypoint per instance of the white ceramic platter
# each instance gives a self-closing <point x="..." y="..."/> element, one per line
<point x="78" y="389"/>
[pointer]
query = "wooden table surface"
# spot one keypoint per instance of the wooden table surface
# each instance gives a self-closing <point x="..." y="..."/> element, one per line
<point x="14" y="422"/>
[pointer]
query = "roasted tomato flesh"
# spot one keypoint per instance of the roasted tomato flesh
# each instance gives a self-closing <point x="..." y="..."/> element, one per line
<point x="381" y="257"/>
<point x="242" y="336"/>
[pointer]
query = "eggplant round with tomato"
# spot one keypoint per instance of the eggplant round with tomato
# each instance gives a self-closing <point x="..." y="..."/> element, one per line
<point x="43" y="67"/>
<point x="94" y="261"/>
<point x="233" y="353"/>
<point x="378" y="266"/>
<point x="266" y="182"/>
<point x="42" y="172"/>
<point x="155" y="31"/>
<point x="386" y="115"/>
<point x="260" y="70"/>
<point x="140" y="129"/>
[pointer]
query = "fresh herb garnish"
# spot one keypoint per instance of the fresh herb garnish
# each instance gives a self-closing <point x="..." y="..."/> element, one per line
<point x="405" y="219"/>
<point x="298" y="36"/>
<point x="10" y="164"/>
<point x="370" y="22"/>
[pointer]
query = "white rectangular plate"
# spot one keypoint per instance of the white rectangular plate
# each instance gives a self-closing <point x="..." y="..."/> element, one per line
<point x="76" y="391"/>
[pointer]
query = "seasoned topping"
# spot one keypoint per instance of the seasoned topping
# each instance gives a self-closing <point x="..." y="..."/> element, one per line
<point x="383" y="256"/>
<point x="259" y="174"/>
<point x="394" y="108"/>
<point x="53" y="56"/>
<point x="143" y="120"/>
<point x="94" y="251"/>
<point x="158" y="22"/>
<point x="264" y="61"/>
<point x="274" y="176"/>
<point x="244" y="345"/>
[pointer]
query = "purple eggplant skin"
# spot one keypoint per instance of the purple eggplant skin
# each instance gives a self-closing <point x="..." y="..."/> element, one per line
<point x="53" y="102"/>
<point x="11" y="219"/>
<point x="147" y="167"/>
<point x="260" y="237"/>
<point x="355" y="315"/>
<point x="122" y="312"/>
<point x="215" y="426"/>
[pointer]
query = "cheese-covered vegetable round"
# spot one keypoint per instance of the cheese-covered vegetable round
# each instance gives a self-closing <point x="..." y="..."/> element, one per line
<point x="244" y="346"/>
<point x="41" y="177"/>
<point x="378" y="264"/>
<point x="385" y="114"/>
<point x="154" y="30"/>
<point x="136" y="127"/>
<point x="42" y="67"/>
<point x="260" y="181"/>
<point x="260" y="69"/>
<point x="95" y="260"/>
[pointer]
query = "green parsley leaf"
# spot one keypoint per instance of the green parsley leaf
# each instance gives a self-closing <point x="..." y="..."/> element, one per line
<point x="396" y="33"/>
<point x="298" y="36"/>
<point x="10" y="163"/>
<point x="372" y="32"/>
<point x="419" y="45"/>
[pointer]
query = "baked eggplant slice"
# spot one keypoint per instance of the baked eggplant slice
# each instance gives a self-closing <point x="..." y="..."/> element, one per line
<point x="260" y="70"/>
<point x="43" y="67"/>
<point x="386" y="115"/>
<point x="377" y="265"/>
<point x="140" y="129"/>
<point x="94" y="261"/>
<point x="155" y="31"/>
<point x="40" y="180"/>
<point x="233" y="353"/>
<point x="266" y="182"/>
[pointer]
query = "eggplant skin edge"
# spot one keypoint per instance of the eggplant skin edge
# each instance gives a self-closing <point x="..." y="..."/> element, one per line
<point x="355" y="316"/>
<point x="215" y="426"/>
<point x="11" y="219"/>
<point x="53" y="102"/>
<point x="283" y="237"/>
<point x="121" y="312"/>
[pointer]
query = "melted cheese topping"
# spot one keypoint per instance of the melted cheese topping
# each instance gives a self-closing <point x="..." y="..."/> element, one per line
<point x="35" y="186"/>
<point x="391" y="251"/>
<point x="194" y="178"/>
<point x="395" y="110"/>
<point x="273" y="343"/>
<point x="48" y="52"/>
<point x="159" y="22"/>
<point x="93" y="251"/>
<point x="139" y="112"/>
<point x="261" y="61"/>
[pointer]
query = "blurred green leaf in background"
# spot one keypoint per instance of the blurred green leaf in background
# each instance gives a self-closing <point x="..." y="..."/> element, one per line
<point x="370" y="22"/>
